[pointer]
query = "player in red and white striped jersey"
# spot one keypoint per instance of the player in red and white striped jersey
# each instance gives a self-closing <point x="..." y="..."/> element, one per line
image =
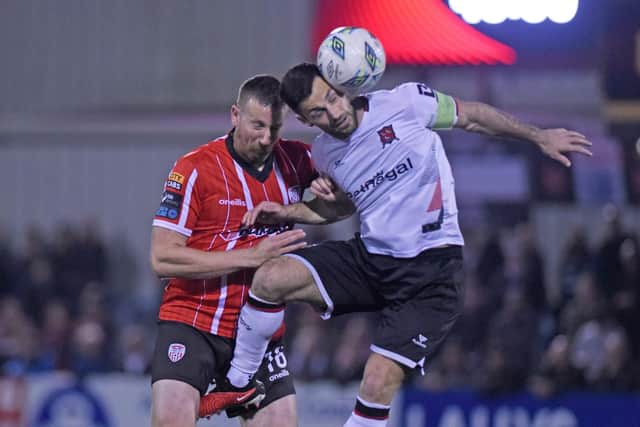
<point x="199" y="244"/>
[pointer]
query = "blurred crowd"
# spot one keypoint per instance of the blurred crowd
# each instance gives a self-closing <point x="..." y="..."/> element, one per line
<point x="513" y="333"/>
<point x="58" y="311"/>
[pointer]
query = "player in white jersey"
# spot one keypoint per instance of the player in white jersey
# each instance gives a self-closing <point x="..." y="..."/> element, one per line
<point x="381" y="158"/>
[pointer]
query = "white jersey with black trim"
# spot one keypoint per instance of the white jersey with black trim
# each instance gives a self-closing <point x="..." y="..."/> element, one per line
<point x="394" y="168"/>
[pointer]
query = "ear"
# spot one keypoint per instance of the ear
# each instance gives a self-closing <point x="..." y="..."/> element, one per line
<point x="304" y="121"/>
<point x="235" y="115"/>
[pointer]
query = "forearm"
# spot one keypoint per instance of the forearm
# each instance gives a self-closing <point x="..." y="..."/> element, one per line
<point x="317" y="211"/>
<point x="485" y="119"/>
<point x="189" y="263"/>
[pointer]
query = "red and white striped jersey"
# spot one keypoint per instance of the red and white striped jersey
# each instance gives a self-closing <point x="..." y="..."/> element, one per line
<point x="205" y="196"/>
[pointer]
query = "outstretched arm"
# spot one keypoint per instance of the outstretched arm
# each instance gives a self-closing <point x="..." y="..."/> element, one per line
<point x="170" y="256"/>
<point x="555" y="143"/>
<point x="331" y="204"/>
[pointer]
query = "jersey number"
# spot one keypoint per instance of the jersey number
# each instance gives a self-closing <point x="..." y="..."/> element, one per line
<point x="423" y="89"/>
<point x="276" y="356"/>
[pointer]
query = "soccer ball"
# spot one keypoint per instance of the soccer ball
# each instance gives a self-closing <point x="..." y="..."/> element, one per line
<point x="351" y="59"/>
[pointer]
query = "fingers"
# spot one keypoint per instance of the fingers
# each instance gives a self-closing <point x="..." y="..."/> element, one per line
<point x="250" y="217"/>
<point x="563" y="159"/>
<point x="289" y="237"/>
<point x="329" y="197"/>
<point x="293" y="247"/>
<point x="288" y="241"/>
<point x="322" y="185"/>
<point x="266" y="212"/>
<point x="579" y="138"/>
<point x="582" y="150"/>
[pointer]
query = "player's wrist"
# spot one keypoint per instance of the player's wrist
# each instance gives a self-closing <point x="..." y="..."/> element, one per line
<point x="253" y="257"/>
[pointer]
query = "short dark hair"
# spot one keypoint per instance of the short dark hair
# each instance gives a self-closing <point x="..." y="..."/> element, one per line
<point x="296" y="84"/>
<point x="263" y="88"/>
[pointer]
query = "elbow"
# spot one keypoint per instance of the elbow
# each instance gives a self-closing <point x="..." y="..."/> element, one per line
<point x="157" y="265"/>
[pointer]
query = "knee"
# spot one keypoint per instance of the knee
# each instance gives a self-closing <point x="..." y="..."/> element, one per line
<point x="267" y="281"/>
<point x="171" y="416"/>
<point x="173" y="404"/>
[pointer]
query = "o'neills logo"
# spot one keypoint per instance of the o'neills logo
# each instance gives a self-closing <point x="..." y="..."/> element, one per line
<point x="234" y="202"/>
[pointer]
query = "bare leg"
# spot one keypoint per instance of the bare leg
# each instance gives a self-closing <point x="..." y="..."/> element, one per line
<point x="173" y="404"/>
<point x="380" y="383"/>
<point x="282" y="412"/>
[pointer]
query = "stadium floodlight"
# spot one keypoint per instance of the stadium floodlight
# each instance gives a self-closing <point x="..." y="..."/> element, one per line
<point x="530" y="11"/>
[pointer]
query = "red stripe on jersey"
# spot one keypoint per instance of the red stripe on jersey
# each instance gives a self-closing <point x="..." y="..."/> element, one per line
<point x="218" y="200"/>
<point x="436" y="200"/>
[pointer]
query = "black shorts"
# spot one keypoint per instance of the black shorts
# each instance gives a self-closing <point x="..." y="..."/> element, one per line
<point x="197" y="358"/>
<point x="419" y="299"/>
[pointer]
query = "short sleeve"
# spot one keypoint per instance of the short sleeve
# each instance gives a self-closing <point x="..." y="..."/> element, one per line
<point x="434" y="109"/>
<point x="180" y="204"/>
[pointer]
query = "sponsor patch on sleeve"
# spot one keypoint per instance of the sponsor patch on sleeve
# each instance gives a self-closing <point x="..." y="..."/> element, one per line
<point x="174" y="176"/>
<point x="175" y="181"/>
<point x="170" y="205"/>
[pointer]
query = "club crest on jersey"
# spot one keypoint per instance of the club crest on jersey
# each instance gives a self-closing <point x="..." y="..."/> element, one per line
<point x="294" y="194"/>
<point x="387" y="135"/>
<point x="176" y="352"/>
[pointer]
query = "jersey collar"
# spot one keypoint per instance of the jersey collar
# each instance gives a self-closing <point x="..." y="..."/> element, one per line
<point x="260" y="175"/>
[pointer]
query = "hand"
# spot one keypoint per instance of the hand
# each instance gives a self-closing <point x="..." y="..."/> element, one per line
<point x="278" y="244"/>
<point x="265" y="213"/>
<point x="556" y="142"/>
<point x="324" y="188"/>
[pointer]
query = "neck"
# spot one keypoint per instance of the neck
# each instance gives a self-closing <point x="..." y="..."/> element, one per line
<point x="256" y="161"/>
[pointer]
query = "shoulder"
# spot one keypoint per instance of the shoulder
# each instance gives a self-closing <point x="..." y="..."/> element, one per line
<point x="294" y="146"/>
<point x="397" y="94"/>
<point x="202" y="153"/>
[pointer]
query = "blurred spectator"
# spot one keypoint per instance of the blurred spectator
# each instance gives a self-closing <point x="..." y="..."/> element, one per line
<point x="58" y="313"/>
<point x="510" y="345"/>
<point x="450" y="370"/>
<point x="586" y="305"/>
<point x="56" y="330"/>
<point x="556" y="374"/>
<point x="309" y="344"/>
<point x="607" y="261"/>
<point x="576" y="259"/>
<point x="524" y="266"/>
<point x="601" y="351"/>
<point x="352" y="349"/>
<point x="618" y="373"/>
<point x="134" y="351"/>
<point x="67" y="262"/>
<point x="626" y="299"/>
<point x="490" y="266"/>
<point x="89" y="350"/>
<point x="7" y="264"/>
<point x="91" y="252"/>
<point x="473" y="323"/>
<point x="18" y="339"/>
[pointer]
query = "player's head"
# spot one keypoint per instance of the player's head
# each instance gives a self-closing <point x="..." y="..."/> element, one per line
<point x="257" y="117"/>
<point x="316" y="102"/>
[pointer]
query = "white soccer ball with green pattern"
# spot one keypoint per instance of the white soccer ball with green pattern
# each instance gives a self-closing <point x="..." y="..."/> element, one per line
<point x="351" y="59"/>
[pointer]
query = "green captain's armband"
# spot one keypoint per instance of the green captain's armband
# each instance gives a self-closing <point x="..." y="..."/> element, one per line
<point x="446" y="115"/>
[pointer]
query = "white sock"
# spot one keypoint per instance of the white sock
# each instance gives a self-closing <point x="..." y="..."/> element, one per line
<point x="258" y="321"/>
<point x="368" y="414"/>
